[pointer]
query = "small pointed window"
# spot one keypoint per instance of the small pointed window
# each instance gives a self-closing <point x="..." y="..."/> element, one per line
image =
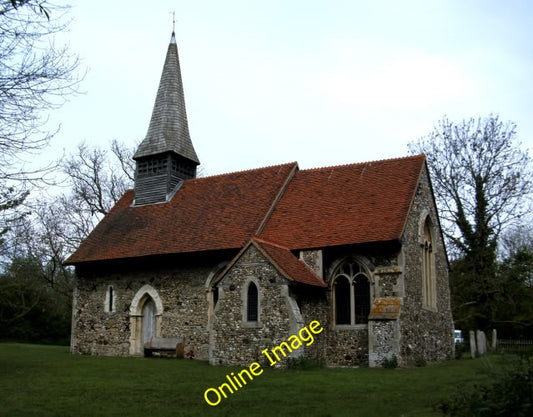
<point x="109" y="306"/>
<point x="252" y="303"/>
<point x="111" y="299"/>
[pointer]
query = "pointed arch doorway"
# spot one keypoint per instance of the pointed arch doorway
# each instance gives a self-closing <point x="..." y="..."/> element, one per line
<point x="146" y="311"/>
<point x="148" y="320"/>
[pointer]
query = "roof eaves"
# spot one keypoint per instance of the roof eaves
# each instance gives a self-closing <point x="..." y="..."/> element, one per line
<point x="272" y="261"/>
<point x="230" y="265"/>
<point x="413" y="193"/>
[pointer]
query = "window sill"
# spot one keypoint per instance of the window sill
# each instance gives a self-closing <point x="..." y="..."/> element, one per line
<point x="350" y="326"/>
<point x="251" y="325"/>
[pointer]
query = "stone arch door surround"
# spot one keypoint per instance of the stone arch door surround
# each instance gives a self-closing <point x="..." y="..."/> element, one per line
<point x="146" y="311"/>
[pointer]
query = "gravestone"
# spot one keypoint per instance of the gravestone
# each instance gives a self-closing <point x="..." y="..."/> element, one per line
<point x="473" y="349"/>
<point x="481" y="343"/>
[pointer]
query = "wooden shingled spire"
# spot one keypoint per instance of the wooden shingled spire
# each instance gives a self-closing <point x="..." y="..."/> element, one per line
<point x="166" y="156"/>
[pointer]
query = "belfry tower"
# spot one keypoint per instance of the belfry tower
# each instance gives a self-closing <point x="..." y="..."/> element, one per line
<point x="166" y="156"/>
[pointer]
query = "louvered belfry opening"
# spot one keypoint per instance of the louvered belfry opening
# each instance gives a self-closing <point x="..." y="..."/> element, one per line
<point x="166" y="156"/>
<point x="157" y="177"/>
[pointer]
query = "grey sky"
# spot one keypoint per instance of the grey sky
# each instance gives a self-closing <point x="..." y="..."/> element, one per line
<point x="318" y="82"/>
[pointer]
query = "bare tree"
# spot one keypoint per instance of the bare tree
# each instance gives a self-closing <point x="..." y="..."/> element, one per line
<point x="35" y="77"/>
<point x="481" y="178"/>
<point x="98" y="181"/>
<point x="515" y="239"/>
<point x="482" y="183"/>
<point x="54" y="225"/>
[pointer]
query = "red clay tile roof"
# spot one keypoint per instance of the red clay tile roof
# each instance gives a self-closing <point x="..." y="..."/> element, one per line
<point x="285" y="262"/>
<point x="365" y="202"/>
<point x="211" y="213"/>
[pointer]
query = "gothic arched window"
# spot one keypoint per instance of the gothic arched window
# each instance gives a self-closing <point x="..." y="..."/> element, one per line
<point x="351" y="294"/>
<point x="429" y="285"/>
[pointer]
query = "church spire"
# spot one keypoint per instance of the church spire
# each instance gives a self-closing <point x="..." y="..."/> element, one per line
<point x="166" y="156"/>
<point x="168" y="130"/>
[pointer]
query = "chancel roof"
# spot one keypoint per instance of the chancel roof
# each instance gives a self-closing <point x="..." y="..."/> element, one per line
<point x="284" y="207"/>
<point x="348" y="204"/>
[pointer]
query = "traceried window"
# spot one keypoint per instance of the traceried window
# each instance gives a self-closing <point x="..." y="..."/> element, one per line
<point x="429" y="287"/>
<point x="351" y="289"/>
<point x="252" y="304"/>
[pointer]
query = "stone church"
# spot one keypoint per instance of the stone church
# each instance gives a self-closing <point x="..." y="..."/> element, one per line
<point x="232" y="264"/>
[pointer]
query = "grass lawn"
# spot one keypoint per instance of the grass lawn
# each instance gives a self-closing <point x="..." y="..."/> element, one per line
<point x="48" y="381"/>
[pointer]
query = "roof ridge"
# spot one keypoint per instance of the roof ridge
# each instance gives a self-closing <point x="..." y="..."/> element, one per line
<point x="422" y="156"/>
<point x="269" y="242"/>
<point x="245" y="171"/>
<point x="277" y="198"/>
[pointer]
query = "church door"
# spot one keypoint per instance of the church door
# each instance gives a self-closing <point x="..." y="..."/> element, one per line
<point x="149" y="326"/>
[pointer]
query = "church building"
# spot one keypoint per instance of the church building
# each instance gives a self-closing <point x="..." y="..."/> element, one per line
<point x="233" y="264"/>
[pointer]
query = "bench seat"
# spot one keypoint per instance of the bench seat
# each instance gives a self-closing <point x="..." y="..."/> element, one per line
<point x="164" y="344"/>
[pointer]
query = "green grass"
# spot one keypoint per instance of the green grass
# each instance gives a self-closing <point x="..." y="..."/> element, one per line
<point x="48" y="381"/>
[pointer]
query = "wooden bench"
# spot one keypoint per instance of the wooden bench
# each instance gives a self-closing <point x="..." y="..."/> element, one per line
<point x="164" y="344"/>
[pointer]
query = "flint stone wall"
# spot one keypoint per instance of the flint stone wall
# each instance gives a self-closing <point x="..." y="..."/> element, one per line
<point x="426" y="333"/>
<point x="234" y="340"/>
<point x="222" y="334"/>
<point x="385" y="340"/>
<point x="185" y="305"/>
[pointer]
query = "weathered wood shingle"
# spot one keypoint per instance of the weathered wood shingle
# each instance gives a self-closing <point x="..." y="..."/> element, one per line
<point x="168" y="130"/>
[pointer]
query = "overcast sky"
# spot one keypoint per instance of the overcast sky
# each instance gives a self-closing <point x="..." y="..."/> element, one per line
<point x="318" y="82"/>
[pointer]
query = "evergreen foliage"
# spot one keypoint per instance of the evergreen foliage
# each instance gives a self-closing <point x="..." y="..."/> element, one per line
<point x="510" y="394"/>
<point x="31" y="309"/>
